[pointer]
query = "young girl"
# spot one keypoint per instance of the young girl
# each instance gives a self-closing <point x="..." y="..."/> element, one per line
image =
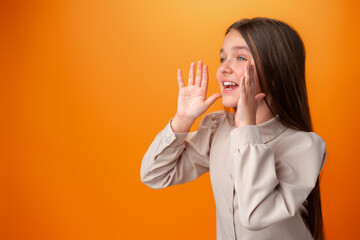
<point x="264" y="160"/>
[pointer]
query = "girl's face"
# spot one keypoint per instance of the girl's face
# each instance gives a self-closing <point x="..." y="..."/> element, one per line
<point x="233" y="57"/>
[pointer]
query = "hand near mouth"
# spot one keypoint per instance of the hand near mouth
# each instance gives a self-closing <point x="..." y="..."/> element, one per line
<point x="248" y="102"/>
<point x="192" y="101"/>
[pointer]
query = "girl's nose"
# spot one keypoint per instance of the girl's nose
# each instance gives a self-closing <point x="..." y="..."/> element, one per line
<point x="225" y="67"/>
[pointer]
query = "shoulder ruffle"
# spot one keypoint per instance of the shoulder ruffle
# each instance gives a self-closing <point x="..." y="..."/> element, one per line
<point x="215" y="120"/>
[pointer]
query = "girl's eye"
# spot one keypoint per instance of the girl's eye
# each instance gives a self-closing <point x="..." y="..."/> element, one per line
<point x="222" y="60"/>
<point x="241" y="59"/>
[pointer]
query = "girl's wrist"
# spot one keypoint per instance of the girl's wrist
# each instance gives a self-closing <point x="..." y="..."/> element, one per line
<point x="241" y="124"/>
<point x="244" y="122"/>
<point x="181" y="125"/>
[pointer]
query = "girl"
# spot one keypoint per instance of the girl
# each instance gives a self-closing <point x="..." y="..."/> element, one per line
<point x="264" y="160"/>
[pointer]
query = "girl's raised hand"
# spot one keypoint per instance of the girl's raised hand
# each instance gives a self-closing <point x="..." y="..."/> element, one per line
<point x="248" y="101"/>
<point x="192" y="101"/>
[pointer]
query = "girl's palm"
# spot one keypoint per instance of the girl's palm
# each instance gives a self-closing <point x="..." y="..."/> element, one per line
<point x="192" y="100"/>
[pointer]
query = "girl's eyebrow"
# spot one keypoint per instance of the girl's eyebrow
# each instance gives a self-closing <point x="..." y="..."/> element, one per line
<point x="236" y="48"/>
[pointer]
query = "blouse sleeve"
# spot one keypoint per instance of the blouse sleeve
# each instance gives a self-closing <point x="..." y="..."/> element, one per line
<point x="271" y="188"/>
<point x="176" y="158"/>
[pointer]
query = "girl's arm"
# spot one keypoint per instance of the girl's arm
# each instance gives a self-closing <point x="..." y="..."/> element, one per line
<point x="271" y="188"/>
<point x="176" y="158"/>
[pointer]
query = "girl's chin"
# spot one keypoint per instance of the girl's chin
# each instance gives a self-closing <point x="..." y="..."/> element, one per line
<point x="228" y="103"/>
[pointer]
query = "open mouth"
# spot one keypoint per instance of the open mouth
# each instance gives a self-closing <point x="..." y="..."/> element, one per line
<point x="229" y="86"/>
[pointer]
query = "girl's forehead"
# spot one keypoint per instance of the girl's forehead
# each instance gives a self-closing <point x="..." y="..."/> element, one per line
<point x="234" y="41"/>
<point x="234" y="38"/>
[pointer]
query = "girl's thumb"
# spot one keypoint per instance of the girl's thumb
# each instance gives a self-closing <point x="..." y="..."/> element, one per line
<point x="259" y="98"/>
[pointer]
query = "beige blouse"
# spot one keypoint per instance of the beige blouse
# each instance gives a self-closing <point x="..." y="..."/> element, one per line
<point x="260" y="174"/>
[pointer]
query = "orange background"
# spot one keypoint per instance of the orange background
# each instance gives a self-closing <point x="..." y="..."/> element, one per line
<point x="86" y="86"/>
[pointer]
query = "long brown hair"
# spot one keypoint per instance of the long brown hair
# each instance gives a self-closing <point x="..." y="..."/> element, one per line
<point x="279" y="56"/>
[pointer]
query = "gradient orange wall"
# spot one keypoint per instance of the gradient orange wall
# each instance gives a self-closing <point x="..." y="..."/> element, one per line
<point x="86" y="86"/>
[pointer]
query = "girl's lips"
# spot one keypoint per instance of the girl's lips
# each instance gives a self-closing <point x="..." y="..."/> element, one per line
<point x="224" y="81"/>
<point x="229" y="89"/>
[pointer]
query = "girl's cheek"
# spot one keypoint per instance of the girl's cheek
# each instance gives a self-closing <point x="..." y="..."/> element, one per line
<point x="240" y="72"/>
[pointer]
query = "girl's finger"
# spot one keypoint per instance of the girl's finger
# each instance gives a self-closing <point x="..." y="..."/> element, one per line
<point x="212" y="99"/>
<point x="198" y="74"/>
<point x="180" y="79"/>
<point x="204" y="78"/>
<point x="252" y="80"/>
<point x="242" y="89"/>
<point x="191" y="74"/>
<point x="247" y="77"/>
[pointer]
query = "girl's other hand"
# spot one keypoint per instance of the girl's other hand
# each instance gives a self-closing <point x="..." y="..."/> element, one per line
<point x="248" y="102"/>
<point x="192" y="101"/>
